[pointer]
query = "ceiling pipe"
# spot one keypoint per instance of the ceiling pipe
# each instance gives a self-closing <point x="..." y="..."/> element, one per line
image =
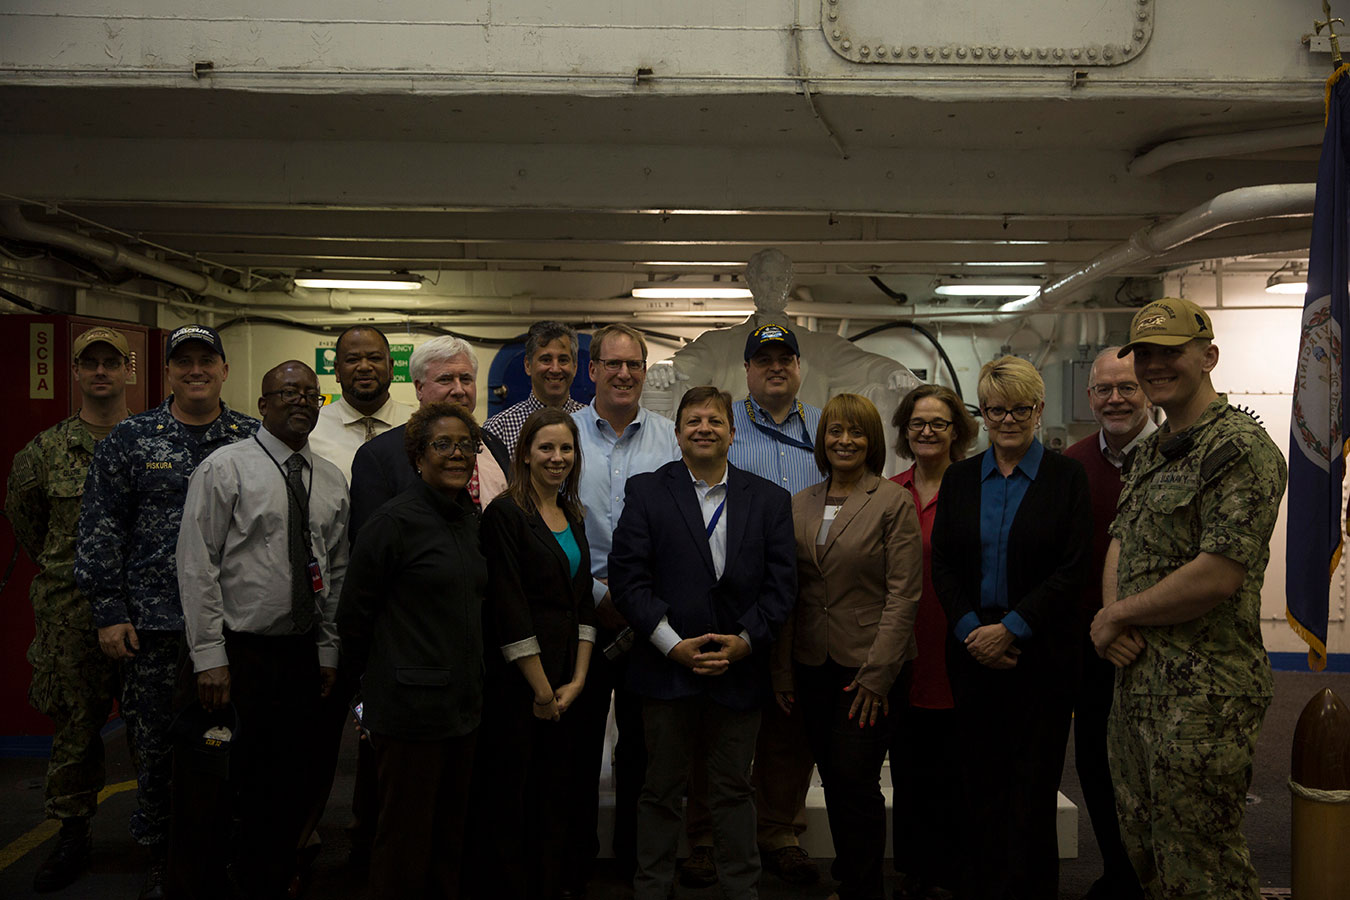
<point x="1186" y="149"/>
<point x="1266" y="201"/>
<point x="113" y="255"/>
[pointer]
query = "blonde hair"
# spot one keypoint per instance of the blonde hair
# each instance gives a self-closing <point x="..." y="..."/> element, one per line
<point x="1012" y="378"/>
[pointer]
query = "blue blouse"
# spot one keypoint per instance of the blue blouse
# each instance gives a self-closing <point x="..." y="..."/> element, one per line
<point x="999" y="499"/>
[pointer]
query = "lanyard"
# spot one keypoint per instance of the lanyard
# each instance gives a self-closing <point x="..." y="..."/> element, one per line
<point x="717" y="514"/>
<point x="309" y="492"/>
<point x="778" y="436"/>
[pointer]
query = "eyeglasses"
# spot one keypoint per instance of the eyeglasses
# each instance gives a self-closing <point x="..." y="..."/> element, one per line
<point x="1000" y="413"/>
<point x="293" y="396"/>
<point x="937" y="426"/>
<point x="614" y="365"/>
<point x="446" y="447"/>
<point x="1125" y="389"/>
<point x="111" y="364"/>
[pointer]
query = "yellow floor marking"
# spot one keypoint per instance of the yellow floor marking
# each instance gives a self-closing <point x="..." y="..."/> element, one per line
<point x="15" y="849"/>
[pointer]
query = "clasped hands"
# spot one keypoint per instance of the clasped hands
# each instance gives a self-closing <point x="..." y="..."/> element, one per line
<point x="550" y="709"/>
<point x="992" y="646"/>
<point x="690" y="653"/>
<point x="1114" y="642"/>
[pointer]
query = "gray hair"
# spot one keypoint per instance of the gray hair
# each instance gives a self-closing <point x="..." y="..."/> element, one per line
<point x="438" y="349"/>
<point x="546" y="332"/>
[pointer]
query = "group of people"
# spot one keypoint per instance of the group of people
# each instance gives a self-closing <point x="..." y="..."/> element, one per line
<point x="751" y="592"/>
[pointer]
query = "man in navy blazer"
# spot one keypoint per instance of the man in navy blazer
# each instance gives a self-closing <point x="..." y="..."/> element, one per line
<point x="703" y="567"/>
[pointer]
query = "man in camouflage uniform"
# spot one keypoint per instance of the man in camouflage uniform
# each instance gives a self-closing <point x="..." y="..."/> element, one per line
<point x="124" y="561"/>
<point x="1182" y="588"/>
<point x="73" y="682"/>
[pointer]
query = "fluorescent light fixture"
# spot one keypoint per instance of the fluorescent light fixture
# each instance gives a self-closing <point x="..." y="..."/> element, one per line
<point x="976" y="289"/>
<point x="1288" y="280"/>
<point x="359" y="281"/>
<point x="704" y="291"/>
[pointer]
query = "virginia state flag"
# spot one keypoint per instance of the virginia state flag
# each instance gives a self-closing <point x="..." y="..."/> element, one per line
<point x="1318" y="429"/>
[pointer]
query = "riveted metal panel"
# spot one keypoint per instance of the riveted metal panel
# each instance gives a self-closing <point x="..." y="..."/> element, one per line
<point x="1078" y="33"/>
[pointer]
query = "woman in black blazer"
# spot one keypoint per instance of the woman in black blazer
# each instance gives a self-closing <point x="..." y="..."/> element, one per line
<point x="1011" y="546"/>
<point x="543" y="620"/>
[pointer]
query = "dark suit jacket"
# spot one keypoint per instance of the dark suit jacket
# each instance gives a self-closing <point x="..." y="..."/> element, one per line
<point x="661" y="565"/>
<point x="531" y="593"/>
<point x="1049" y="551"/>
<point x="380" y="471"/>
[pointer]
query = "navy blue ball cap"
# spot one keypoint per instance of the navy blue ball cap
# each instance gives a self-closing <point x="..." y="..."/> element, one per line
<point x="768" y="336"/>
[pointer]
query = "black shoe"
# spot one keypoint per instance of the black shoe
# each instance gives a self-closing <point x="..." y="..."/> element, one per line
<point x="68" y="859"/>
<point x="699" y="870"/>
<point x="153" y="889"/>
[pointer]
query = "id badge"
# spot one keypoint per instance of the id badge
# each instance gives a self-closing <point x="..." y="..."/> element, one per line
<point x="315" y="576"/>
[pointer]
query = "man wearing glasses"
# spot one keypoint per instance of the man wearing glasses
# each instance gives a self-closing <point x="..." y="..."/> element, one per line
<point x="619" y="438"/>
<point x="260" y="639"/>
<point x="124" y="559"/>
<point x="73" y="682"/>
<point x="1121" y="409"/>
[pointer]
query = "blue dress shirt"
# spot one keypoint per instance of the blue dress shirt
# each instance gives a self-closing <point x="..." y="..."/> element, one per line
<point x="608" y="460"/>
<point x="791" y="468"/>
<point x="999" y="499"/>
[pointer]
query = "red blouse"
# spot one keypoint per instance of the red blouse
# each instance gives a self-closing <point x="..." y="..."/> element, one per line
<point x="929" y="688"/>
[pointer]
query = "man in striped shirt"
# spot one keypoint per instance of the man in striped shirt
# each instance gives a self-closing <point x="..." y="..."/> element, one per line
<point x="551" y="363"/>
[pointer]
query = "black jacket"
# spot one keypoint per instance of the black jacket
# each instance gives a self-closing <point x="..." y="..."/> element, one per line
<point x="1049" y="553"/>
<point x="532" y="593"/>
<point x="410" y="617"/>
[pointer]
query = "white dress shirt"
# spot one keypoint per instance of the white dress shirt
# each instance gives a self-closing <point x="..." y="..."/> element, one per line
<point x="1118" y="459"/>
<point x="234" y="567"/>
<point x="341" y="430"/>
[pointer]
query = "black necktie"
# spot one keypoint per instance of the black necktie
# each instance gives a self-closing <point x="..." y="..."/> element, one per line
<point x="297" y="536"/>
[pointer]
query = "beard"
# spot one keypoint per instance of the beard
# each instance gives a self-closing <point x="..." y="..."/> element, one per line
<point x="356" y="393"/>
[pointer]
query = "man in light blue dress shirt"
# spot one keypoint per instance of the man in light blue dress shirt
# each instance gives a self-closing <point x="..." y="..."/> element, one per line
<point x="775" y="439"/>
<point x="618" y="438"/>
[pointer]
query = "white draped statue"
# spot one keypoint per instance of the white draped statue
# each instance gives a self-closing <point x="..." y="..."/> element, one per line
<point x="830" y="364"/>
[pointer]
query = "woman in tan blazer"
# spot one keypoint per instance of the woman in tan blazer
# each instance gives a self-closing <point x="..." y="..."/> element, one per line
<point x="841" y="652"/>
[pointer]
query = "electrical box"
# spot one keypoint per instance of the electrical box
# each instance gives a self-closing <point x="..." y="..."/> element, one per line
<point x="1076" y="376"/>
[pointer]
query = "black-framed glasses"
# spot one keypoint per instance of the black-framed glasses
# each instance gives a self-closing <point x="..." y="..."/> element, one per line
<point x="937" y="426"/>
<point x="291" y="395"/>
<point x="446" y="447"/>
<point x="1126" y="389"/>
<point x="614" y="365"/>
<point x="1000" y="413"/>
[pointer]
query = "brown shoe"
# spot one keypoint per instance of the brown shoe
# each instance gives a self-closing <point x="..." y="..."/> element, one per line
<point x="699" y="870"/>
<point x="792" y="865"/>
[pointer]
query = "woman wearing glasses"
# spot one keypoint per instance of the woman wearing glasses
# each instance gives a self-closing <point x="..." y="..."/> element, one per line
<point x="410" y="621"/>
<point x="935" y="431"/>
<point x="1012" y="542"/>
<point x="534" y="538"/>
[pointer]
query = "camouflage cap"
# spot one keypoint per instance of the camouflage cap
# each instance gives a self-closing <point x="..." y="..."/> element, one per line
<point x="1169" y="322"/>
<point x="100" y="334"/>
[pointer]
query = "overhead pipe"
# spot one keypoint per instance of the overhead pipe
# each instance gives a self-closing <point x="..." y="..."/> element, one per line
<point x="13" y="223"/>
<point x="1266" y="201"/>
<point x="1209" y="147"/>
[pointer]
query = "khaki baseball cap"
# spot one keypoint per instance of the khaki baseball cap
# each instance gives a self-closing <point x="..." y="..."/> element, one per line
<point x="1169" y="322"/>
<point x="101" y="335"/>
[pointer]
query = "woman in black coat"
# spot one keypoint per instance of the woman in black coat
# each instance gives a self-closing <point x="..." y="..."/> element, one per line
<point x="1011" y="546"/>
<point x="543" y="619"/>
<point x="410" y="620"/>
